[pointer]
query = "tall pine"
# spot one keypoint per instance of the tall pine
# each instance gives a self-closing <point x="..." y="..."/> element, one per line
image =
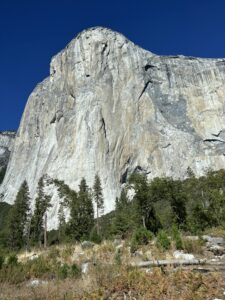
<point x="42" y="203"/>
<point x="19" y="218"/>
<point x="143" y="201"/>
<point x="98" y="198"/>
<point x="87" y="210"/>
<point x="81" y="212"/>
<point x="123" y="219"/>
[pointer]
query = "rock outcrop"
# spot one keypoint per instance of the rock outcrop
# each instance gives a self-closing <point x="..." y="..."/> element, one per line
<point x="6" y="145"/>
<point x="112" y="108"/>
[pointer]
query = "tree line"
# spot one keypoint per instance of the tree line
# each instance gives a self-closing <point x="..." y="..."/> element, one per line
<point x="25" y="229"/>
<point x="192" y="205"/>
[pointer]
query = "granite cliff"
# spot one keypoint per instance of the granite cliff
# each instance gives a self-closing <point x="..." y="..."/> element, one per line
<point x="6" y="145"/>
<point x="112" y="108"/>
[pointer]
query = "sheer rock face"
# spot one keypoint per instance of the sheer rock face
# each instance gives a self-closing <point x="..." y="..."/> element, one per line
<point x="112" y="108"/>
<point x="6" y="145"/>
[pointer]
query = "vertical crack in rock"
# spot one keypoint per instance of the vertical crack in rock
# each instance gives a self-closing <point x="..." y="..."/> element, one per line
<point x="168" y="75"/>
<point x="103" y="127"/>
<point x="105" y="45"/>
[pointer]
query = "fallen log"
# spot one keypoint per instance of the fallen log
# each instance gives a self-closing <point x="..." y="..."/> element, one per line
<point x="172" y="262"/>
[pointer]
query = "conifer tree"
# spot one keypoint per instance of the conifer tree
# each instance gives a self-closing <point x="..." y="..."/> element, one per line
<point x="81" y="212"/>
<point x="98" y="198"/>
<point x="42" y="203"/>
<point x="87" y="210"/>
<point x="19" y="218"/>
<point x="73" y="226"/>
<point x="122" y="220"/>
<point x="146" y="215"/>
<point x="62" y="221"/>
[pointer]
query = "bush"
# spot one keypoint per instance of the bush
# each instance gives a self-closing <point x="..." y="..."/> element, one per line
<point x="12" y="260"/>
<point x="75" y="271"/>
<point x="63" y="271"/>
<point x="163" y="240"/>
<point x="95" y="237"/>
<point x="195" y="247"/>
<point x="141" y="236"/>
<point x="39" y="267"/>
<point x="177" y="237"/>
<point x="117" y="259"/>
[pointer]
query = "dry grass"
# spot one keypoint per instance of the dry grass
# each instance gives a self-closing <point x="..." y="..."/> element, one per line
<point x="111" y="277"/>
<point x="216" y="231"/>
<point x="112" y="282"/>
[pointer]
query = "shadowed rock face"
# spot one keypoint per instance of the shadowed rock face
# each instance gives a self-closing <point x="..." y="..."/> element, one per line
<point x="6" y="145"/>
<point x="111" y="107"/>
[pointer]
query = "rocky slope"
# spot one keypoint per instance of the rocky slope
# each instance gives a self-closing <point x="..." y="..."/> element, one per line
<point x="111" y="107"/>
<point x="6" y="144"/>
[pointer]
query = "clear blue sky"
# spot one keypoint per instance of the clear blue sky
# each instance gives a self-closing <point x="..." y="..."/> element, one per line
<point x="31" y="32"/>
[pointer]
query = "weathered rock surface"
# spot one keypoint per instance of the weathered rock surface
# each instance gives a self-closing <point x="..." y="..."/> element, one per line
<point x="6" y="145"/>
<point x="111" y="107"/>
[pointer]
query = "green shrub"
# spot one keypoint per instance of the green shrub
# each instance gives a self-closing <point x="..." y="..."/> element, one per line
<point x="163" y="240"/>
<point x="63" y="271"/>
<point x="179" y="243"/>
<point x="39" y="267"/>
<point x="95" y="237"/>
<point x="177" y="237"/>
<point x="75" y="271"/>
<point x="12" y="260"/>
<point x="141" y="236"/>
<point x="117" y="259"/>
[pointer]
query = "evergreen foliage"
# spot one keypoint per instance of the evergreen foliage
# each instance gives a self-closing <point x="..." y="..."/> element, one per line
<point x="42" y="203"/>
<point x="141" y="236"/>
<point x="62" y="222"/>
<point x="98" y="198"/>
<point x="143" y="201"/>
<point x="122" y="221"/>
<point x="19" y="218"/>
<point x="163" y="241"/>
<point x="193" y="205"/>
<point x="177" y="237"/>
<point x="81" y="210"/>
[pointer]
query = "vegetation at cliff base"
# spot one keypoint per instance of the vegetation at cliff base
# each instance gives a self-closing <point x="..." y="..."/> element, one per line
<point x="151" y="221"/>
<point x="192" y="205"/>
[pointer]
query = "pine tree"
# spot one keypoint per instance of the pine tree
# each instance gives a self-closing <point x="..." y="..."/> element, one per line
<point x="62" y="221"/>
<point x="19" y="218"/>
<point x="42" y="203"/>
<point x="98" y="198"/>
<point x="146" y="215"/>
<point x="122" y="220"/>
<point x="87" y="210"/>
<point x="81" y="212"/>
<point x="73" y="226"/>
